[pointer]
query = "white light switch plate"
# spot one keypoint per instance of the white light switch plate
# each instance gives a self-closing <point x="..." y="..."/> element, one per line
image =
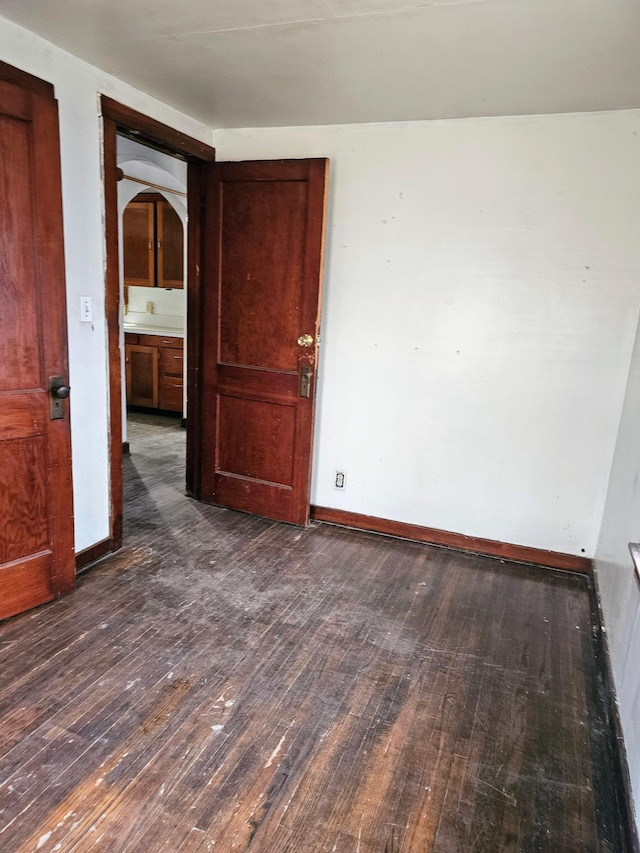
<point x="86" y="309"/>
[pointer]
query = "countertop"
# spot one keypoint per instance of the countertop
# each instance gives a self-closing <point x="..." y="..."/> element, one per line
<point x="162" y="331"/>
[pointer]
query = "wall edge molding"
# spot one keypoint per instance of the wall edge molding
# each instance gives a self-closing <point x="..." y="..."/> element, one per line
<point x="610" y="699"/>
<point x="88" y="556"/>
<point x="433" y="536"/>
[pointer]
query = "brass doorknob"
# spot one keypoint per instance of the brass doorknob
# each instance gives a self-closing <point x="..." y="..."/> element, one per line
<point x="305" y="341"/>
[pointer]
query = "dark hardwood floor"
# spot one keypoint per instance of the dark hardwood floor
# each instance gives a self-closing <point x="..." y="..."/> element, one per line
<point x="228" y="683"/>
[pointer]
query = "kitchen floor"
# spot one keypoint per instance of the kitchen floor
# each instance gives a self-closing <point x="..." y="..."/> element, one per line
<point x="230" y="683"/>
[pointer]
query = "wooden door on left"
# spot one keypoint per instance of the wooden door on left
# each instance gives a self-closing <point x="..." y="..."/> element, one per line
<point x="36" y="512"/>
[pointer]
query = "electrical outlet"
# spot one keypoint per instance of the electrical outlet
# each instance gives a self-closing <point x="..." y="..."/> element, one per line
<point x="149" y="307"/>
<point x="340" y="481"/>
<point x="86" y="309"/>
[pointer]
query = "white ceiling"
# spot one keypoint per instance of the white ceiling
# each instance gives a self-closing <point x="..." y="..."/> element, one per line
<point x="242" y="63"/>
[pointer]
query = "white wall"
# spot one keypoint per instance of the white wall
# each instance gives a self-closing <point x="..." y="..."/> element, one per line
<point x="481" y="294"/>
<point x="618" y="588"/>
<point x="77" y="87"/>
<point x="482" y="291"/>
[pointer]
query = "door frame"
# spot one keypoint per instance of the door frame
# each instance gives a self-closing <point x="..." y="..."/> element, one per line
<point x="120" y="119"/>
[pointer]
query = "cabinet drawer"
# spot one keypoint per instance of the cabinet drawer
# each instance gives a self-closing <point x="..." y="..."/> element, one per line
<point x="160" y="341"/>
<point x="131" y="338"/>
<point x="171" y="393"/>
<point x="171" y="361"/>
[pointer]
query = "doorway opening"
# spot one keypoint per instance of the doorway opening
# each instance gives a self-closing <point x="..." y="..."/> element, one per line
<point x="167" y="167"/>
<point x="152" y="225"/>
<point x="255" y="284"/>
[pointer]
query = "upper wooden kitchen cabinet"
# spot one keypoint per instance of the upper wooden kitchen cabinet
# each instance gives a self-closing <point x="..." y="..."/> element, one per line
<point x="153" y="243"/>
<point x="169" y="246"/>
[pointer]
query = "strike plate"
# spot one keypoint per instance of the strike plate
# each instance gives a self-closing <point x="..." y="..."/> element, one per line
<point x="305" y="381"/>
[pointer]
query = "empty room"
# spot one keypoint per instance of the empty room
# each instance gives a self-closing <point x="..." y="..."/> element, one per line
<point x="319" y="459"/>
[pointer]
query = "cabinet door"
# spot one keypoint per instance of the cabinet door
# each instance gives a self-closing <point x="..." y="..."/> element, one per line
<point x="138" y="237"/>
<point x="170" y="247"/>
<point x="142" y="375"/>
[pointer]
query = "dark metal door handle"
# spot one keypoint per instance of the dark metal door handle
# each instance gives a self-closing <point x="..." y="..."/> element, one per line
<point x="59" y="392"/>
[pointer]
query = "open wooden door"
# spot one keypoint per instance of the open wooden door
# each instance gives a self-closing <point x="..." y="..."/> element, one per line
<point x="263" y="238"/>
<point x="36" y="516"/>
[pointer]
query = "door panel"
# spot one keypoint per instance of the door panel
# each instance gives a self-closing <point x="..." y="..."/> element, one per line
<point x="263" y="276"/>
<point x="36" y="516"/>
<point x="255" y="439"/>
<point x="264" y="229"/>
<point x="24" y="474"/>
<point x="21" y="362"/>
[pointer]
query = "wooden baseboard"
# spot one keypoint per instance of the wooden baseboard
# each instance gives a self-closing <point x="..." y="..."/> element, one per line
<point x="607" y="693"/>
<point x="87" y="557"/>
<point x="432" y="536"/>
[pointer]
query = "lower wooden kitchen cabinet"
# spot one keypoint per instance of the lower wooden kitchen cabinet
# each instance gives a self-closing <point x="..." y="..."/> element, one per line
<point x="170" y="378"/>
<point x="154" y="371"/>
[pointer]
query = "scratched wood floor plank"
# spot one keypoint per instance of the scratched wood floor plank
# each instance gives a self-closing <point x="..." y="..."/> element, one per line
<point x="227" y="683"/>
